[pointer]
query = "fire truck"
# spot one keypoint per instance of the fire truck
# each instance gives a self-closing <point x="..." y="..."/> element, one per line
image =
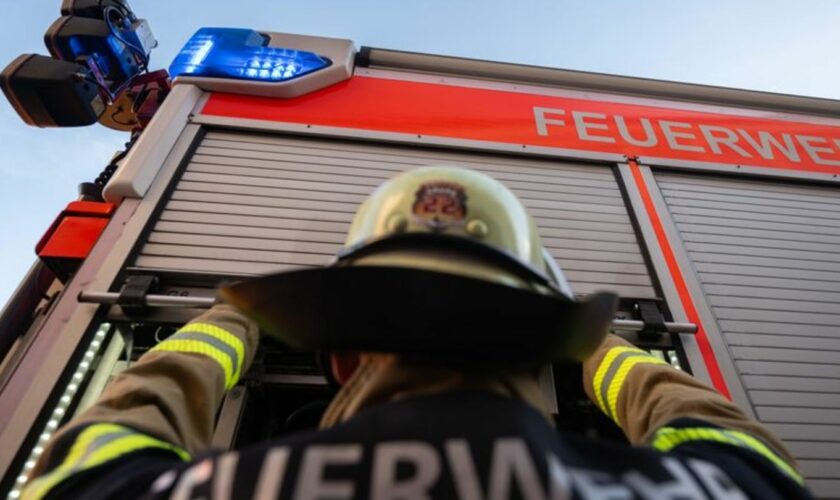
<point x="713" y="212"/>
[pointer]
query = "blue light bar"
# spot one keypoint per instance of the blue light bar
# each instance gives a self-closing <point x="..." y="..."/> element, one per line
<point x="241" y="54"/>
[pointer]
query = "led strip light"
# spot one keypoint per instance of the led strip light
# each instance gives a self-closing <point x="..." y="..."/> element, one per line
<point x="61" y="408"/>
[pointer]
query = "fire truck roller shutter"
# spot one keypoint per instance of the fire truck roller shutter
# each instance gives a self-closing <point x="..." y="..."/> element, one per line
<point x="767" y="256"/>
<point x="253" y="204"/>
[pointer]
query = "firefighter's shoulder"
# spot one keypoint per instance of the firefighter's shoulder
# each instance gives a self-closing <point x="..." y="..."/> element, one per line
<point x="482" y="447"/>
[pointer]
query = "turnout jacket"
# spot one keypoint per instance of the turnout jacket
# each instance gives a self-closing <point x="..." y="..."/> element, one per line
<point x="148" y="437"/>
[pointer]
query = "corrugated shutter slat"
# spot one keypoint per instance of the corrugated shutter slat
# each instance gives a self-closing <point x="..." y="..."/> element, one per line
<point x="766" y="257"/>
<point x="252" y="204"/>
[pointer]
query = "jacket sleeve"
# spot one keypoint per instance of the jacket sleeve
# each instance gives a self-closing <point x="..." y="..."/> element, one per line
<point x="166" y="402"/>
<point x="645" y="395"/>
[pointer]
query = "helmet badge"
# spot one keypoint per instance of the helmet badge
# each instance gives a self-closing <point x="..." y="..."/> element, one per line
<point x="440" y="205"/>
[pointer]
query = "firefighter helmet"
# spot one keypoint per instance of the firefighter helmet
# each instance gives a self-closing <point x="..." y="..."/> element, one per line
<point x="442" y="219"/>
<point x="438" y="260"/>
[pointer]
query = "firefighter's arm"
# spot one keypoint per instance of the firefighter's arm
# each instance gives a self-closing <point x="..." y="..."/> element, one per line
<point x="645" y="395"/>
<point x="166" y="402"/>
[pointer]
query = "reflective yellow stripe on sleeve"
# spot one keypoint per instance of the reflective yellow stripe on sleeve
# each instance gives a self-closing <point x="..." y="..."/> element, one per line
<point x="617" y="383"/>
<point x="612" y="373"/>
<point x="601" y="372"/>
<point x="96" y="445"/>
<point x="212" y="341"/>
<point x="668" y="438"/>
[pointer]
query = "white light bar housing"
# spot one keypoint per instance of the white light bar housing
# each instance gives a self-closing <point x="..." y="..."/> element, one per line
<point x="340" y="51"/>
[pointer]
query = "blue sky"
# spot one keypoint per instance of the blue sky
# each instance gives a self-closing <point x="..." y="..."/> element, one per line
<point x="771" y="45"/>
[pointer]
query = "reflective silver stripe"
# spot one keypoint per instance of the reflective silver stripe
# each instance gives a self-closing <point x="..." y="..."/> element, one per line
<point x="218" y="344"/>
<point x="608" y="377"/>
<point x="102" y="441"/>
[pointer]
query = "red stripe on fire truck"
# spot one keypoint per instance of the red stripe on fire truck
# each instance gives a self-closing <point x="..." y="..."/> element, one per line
<point x="548" y="121"/>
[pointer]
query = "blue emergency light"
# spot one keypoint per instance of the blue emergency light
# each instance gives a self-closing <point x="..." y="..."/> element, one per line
<point x="242" y="54"/>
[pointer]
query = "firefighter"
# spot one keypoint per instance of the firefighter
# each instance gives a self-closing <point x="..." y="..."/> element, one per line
<point x="445" y="291"/>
